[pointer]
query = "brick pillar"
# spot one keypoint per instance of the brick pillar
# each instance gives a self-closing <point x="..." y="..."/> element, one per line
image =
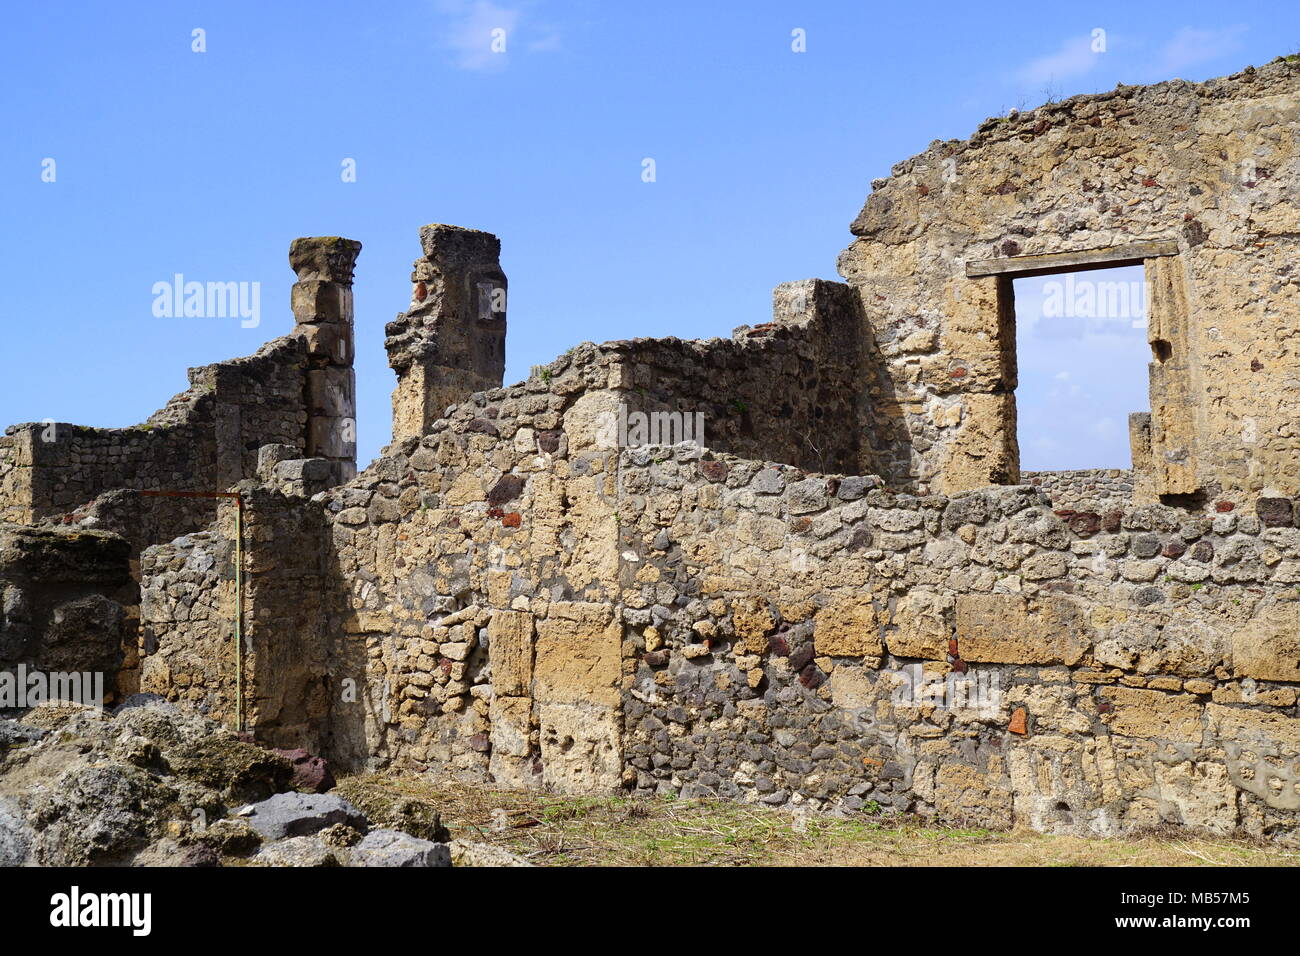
<point x="451" y="341"/>
<point x="323" y="313"/>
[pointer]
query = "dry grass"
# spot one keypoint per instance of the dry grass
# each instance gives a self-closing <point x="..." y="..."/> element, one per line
<point x="552" y="830"/>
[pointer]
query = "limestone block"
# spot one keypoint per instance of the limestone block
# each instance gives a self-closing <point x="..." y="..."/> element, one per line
<point x="302" y="469"/>
<point x="753" y="621"/>
<point x="511" y="722"/>
<point x="579" y="648"/>
<point x="332" y="437"/>
<point x="1200" y="792"/>
<point x="848" y="627"/>
<point x="516" y="773"/>
<point x="1188" y="648"/>
<point x="1268" y="646"/>
<point x="332" y="391"/>
<point x="922" y="625"/>
<point x="1014" y="629"/>
<point x="963" y="792"/>
<point x="327" y="258"/>
<point x="581" y="748"/>
<point x="592" y="421"/>
<point x="851" y="689"/>
<point x="466" y="488"/>
<point x="321" y="300"/>
<point x="983" y="450"/>
<point x="329" y="341"/>
<point x="510" y="653"/>
<point x="979" y="334"/>
<point x="1263" y="730"/>
<point x="1151" y="713"/>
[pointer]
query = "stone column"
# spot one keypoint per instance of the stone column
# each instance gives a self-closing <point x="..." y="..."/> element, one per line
<point x="450" y="342"/>
<point x="323" y="313"/>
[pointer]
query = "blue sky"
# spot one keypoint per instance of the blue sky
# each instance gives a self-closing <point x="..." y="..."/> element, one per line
<point x="1082" y="355"/>
<point x="208" y="164"/>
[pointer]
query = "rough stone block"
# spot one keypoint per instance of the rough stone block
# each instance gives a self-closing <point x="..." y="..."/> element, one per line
<point x="330" y="341"/>
<point x="303" y="469"/>
<point x="394" y="848"/>
<point x="511" y="722"/>
<point x="581" y="748"/>
<point x="332" y="392"/>
<point x="1266" y="731"/>
<point x="510" y="652"/>
<point x="329" y="258"/>
<point x="753" y="621"/>
<point x="268" y="456"/>
<point x="332" y="437"/>
<point x="1151" y="713"/>
<point x="1268" y="646"/>
<point x="301" y="814"/>
<point x="848" y="627"/>
<point x="1012" y="629"/>
<point x="578" y="655"/>
<point x="921" y="625"/>
<point x="321" y="300"/>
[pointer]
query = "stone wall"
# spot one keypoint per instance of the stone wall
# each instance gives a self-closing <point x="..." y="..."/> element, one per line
<point x="1197" y="181"/>
<point x="187" y="627"/>
<point x="62" y="600"/>
<point x="296" y="390"/>
<point x="451" y="340"/>
<point x="817" y="416"/>
<point x="514" y="603"/>
<point x="204" y="439"/>
<point x="1098" y="488"/>
<point x="324" y="312"/>
<point x="1142" y="659"/>
<point x="843" y="597"/>
<point x="442" y="590"/>
<point x="295" y="396"/>
<point x="189" y="613"/>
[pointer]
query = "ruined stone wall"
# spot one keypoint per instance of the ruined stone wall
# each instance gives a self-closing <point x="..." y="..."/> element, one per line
<point x="14" y="482"/>
<point x="297" y="390"/>
<point x="497" y="531"/>
<point x="204" y="439"/>
<point x="187" y="617"/>
<point x="451" y="340"/>
<point x="509" y="595"/>
<point x="295" y="396"/>
<point x="516" y="604"/>
<point x="1204" y="174"/>
<point x="141" y="520"/>
<point x="792" y="389"/>
<point x="1097" y="488"/>
<point x="1144" y="658"/>
<point x="476" y="577"/>
<point x="189" y="612"/>
<point x="286" y="598"/>
<point x="62" y="600"/>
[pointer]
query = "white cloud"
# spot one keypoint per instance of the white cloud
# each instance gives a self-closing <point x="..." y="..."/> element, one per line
<point x="469" y="34"/>
<point x="548" y="42"/>
<point x="1104" y="429"/>
<point x="1190" y="46"/>
<point x="1075" y="57"/>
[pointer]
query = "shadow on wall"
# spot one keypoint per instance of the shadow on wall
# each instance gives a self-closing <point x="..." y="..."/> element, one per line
<point x="807" y="388"/>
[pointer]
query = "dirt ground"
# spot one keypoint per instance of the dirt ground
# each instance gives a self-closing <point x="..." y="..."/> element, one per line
<point x="552" y="830"/>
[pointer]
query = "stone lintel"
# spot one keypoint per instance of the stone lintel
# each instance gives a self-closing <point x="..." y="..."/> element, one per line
<point x="1131" y="254"/>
